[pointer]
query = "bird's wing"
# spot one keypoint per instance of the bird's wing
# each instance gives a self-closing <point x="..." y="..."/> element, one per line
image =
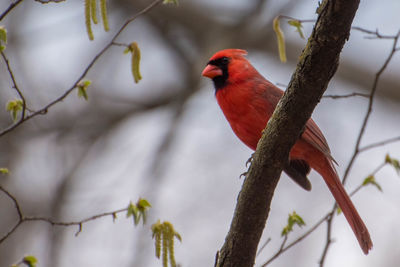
<point x="313" y="135"/>
<point x="298" y="169"/>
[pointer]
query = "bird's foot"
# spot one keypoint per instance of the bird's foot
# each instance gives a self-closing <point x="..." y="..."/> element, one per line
<point x="243" y="175"/>
<point x="247" y="164"/>
<point x="250" y="159"/>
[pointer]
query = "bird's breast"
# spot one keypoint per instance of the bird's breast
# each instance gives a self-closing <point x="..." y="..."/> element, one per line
<point x="246" y="116"/>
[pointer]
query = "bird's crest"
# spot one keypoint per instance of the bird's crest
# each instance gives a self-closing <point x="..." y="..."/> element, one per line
<point x="230" y="53"/>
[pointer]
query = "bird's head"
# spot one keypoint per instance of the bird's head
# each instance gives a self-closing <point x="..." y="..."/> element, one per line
<point x="222" y="65"/>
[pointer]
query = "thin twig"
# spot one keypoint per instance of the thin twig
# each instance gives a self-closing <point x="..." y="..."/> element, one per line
<point x="15" y="86"/>
<point x="378" y="144"/>
<point x="376" y="33"/>
<point x="357" y="147"/>
<point x="22" y="218"/>
<point x="316" y="225"/>
<point x="380" y="166"/>
<point x="14" y="200"/>
<point x="329" y="216"/>
<point x="328" y="236"/>
<point x="333" y="96"/>
<point x="45" y="109"/>
<point x="10" y="7"/>
<point x="285" y="248"/>
<point x="12" y="230"/>
<point x="346" y="96"/>
<point x="263" y="246"/>
<point x="369" y="109"/>
<point x="50" y="1"/>
<point x="77" y="223"/>
<point x="19" y="211"/>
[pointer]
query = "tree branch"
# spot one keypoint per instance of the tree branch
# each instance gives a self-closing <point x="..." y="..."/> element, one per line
<point x="329" y="216"/>
<point x="45" y="109"/>
<point x="357" y="149"/>
<point x="15" y="86"/>
<point x="378" y="144"/>
<point x="284" y="248"/>
<point x="10" y="7"/>
<point x="370" y="103"/>
<point x="22" y="218"/>
<point x="316" y="225"/>
<point x="316" y="67"/>
<point x="346" y="96"/>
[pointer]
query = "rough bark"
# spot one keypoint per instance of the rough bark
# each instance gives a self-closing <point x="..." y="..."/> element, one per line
<point x="315" y="68"/>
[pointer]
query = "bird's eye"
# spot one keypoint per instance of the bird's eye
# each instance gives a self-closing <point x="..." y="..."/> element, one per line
<point x="225" y="60"/>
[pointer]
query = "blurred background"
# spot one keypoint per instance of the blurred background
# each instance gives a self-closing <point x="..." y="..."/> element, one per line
<point x="166" y="140"/>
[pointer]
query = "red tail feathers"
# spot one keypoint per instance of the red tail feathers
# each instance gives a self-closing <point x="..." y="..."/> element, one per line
<point x="353" y="218"/>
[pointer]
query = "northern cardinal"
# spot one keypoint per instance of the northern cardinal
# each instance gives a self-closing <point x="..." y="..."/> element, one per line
<point x="248" y="100"/>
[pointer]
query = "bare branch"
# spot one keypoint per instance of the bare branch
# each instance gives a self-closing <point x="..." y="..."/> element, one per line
<point x="263" y="246"/>
<point x="10" y="7"/>
<point x="380" y="166"/>
<point x="14" y="200"/>
<point x="357" y="147"/>
<point x="370" y="103"/>
<point x="327" y="216"/>
<point x="20" y="215"/>
<point x="346" y="96"/>
<point x="45" y="109"/>
<point x="22" y="218"/>
<point x="12" y="230"/>
<point x="333" y="96"/>
<point x="381" y="143"/>
<point x="283" y="249"/>
<point x="75" y="223"/>
<point x="376" y="33"/>
<point x="50" y="1"/>
<point x="15" y="86"/>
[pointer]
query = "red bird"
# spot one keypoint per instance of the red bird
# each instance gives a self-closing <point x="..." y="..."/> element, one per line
<point x="248" y="100"/>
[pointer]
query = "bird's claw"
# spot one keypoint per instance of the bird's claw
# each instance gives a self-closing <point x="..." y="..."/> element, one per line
<point x="249" y="160"/>
<point x="247" y="163"/>
<point x="243" y="174"/>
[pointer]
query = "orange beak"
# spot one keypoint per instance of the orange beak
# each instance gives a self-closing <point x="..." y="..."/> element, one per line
<point x="211" y="71"/>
